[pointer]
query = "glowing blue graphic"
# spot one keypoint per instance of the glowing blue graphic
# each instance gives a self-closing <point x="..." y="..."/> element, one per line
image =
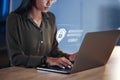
<point x="60" y="34"/>
<point x="68" y="22"/>
<point x="118" y="28"/>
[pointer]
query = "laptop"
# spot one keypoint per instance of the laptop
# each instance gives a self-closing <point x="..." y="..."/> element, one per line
<point x="94" y="51"/>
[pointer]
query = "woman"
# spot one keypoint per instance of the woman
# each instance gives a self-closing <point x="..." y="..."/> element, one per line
<point x="31" y="36"/>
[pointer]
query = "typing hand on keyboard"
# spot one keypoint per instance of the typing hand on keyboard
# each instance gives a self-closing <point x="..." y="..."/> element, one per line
<point x="61" y="62"/>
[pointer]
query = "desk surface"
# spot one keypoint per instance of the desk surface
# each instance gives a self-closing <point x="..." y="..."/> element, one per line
<point x="110" y="71"/>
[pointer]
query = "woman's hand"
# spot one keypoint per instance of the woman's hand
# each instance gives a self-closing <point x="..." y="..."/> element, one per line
<point x="72" y="57"/>
<point x="61" y="62"/>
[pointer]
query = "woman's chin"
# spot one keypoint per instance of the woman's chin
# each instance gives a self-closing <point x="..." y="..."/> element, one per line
<point x="46" y="10"/>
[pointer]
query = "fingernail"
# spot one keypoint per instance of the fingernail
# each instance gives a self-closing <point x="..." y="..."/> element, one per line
<point x="69" y="66"/>
<point x="63" y="67"/>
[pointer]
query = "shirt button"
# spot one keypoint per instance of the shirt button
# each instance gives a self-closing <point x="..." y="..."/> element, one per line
<point x="41" y="41"/>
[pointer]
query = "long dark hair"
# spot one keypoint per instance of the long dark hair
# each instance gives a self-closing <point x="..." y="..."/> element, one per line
<point x="25" y="6"/>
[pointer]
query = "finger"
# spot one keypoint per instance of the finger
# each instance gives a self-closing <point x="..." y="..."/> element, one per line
<point x="72" y="57"/>
<point x="67" y="63"/>
<point x="61" y="66"/>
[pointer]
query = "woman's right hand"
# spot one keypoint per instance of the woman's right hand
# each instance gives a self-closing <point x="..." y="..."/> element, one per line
<point x="61" y="62"/>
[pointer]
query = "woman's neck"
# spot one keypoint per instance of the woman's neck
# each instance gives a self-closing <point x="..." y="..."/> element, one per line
<point x="36" y="15"/>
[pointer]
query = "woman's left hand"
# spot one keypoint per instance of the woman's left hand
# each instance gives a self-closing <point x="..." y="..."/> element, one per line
<point x="72" y="57"/>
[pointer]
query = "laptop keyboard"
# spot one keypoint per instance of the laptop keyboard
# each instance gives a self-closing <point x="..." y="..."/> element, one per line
<point x="58" y="68"/>
<point x="55" y="69"/>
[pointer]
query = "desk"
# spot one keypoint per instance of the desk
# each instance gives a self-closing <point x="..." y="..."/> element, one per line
<point x="110" y="71"/>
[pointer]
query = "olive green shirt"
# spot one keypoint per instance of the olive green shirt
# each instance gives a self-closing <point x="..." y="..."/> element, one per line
<point x="27" y="43"/>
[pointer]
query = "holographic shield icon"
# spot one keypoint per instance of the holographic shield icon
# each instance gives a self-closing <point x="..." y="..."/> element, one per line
<point x="60" y="34"/>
